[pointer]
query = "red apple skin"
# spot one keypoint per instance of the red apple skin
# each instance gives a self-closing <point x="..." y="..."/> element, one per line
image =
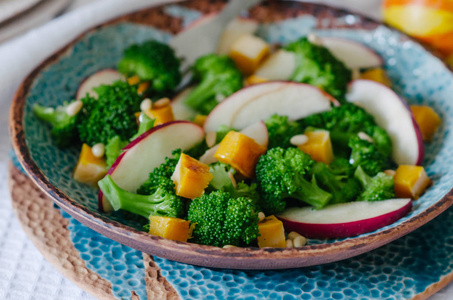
<point x="343" y="230"/>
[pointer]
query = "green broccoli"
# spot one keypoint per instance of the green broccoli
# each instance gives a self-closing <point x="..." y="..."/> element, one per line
<point x="163" y="202"/>
<point x="221" y="132"/>
<point x="112" y="114"/>
<point x="281" y="131"/>
<point x="379" y="187"/>
<point x="218" y="78"/>
<point x="223" y="220"/>
<point x="152" y="61"/>
<point x="145" y="124"/>
<point x="285" y="173"/>
<point x="367" y="155"/>
<point x="64" y="126"/>
<point x="113" y="149"/>
<point x="315" y="65"/>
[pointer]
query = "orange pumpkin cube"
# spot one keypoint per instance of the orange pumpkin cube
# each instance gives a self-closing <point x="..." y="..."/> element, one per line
<point x="254" y="79"/>
<point x="133" y="80"/>
<point x="89" y="169"/>
<point x="318" y="146"/>
<point x="241" y="152"/>
<point x="410" y="181"/>
<point x="191" y="177"/>
<point x="378" y="75"/>
<point x="161" y="114"/>
<point x="272" y="233"/>
<point x="200" y="119"/>
<point x="142" y="87"/>
<point x="170" y="228"/>
<point x="248" y="52"/>
<point x="427" y="119"/>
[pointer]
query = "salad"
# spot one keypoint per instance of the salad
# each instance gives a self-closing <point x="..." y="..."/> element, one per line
<point x="268" y="145"/>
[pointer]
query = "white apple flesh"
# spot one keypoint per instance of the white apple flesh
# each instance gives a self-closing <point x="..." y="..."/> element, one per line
<point x="131" y="169"/>
<point x="180" y="110"/>
<point x="392" y="113"/>
<point x="280" y="65"/>
<point x="233" y="31"/>
<point x="106" y="76"/>
<point x="345" y="219"/>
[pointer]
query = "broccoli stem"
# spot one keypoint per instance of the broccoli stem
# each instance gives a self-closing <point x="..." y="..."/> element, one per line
<point x="311" y="193"/>
<point x="203" y="92"/>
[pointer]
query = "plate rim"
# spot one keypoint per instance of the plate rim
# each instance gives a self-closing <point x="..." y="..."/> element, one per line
<point x="195" y="254"/>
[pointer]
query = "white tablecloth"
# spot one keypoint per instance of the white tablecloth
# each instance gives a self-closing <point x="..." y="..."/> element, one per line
<point x="24" y="274"/>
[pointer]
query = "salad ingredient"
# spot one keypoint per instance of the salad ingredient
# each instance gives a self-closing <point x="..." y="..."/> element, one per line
<point x="145" y="124"/>
<point x="98" y="150"/>
<point x="113" y="149"/>
<point x="111" y="114"/>
<point x="280" y="65"/>
<point x="376" y="74"/>
<point x="161" y="114"/>
<point x="377" y="188"/>
<point x="254" y="79"/>
<point x="146" y="104"/>
<point x="223" y="220"/>
<point x="367" y="155"/>
<point x="353" y="54"/>
<point x="89" y="169"/>
<point x="248" y="52"/>
<point x="180" y="110"/>
<point x="162" y="202"/>
<point x="411" y="181"/>
<point x="102" y="77"/>
<point x="64" y="126"/>
<point x="318" y="146"/>
<point x="281" y="131"/>
<point x="299" y="241"/>
<point x="272" y="233"/>
<point x="170" y="228"/>
<point x="345" y="219"/>
<point x="285" y="173"/>
<point x="149" y="150"/>
<point x="295" y="100"/>
<point x="190" y="177"/>
<point x="241" y="152"/>
<point x="233" y="31"/>
<point x="393" y="115"/>
<point x="153" y="62"/>
<point x="315" y="65"/>
<point x="199" y="119"/>
<point x="218" y="78"/>
<point x="427" y="119"/>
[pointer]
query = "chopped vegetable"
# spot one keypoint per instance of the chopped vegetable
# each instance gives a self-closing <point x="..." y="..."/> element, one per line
<point x="272" y="233"/>
<point x="89" y="169"/>
<point x="378" y="75"/>
<point x="379" y="187"/>
<point x="410" y="181"/>
<point x="161" y="114"/>
<point x="170" y="228"/>
<point x="281" y="131"/>
<point x="427" y="120"/>
<point x="367" y="155"/>
<point x="248" y="52"/>
<point x="318" y="146"/>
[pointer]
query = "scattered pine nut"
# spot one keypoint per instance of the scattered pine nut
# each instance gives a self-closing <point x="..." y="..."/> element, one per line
<point x="146" y="104"/>
<point x="211" y="137"/>
<point x="314" y="39"/>
<point x="161" y="103"/>
<point x="98" y="150"/>
<point x="261" y="216"/>
<point x="289" y="244"/>
<point x="299" y="139"/>
<point x="233" y="180"/>
<point x="292" y="235"/>
<point x="356" y="74"/>
<point x="390" y="172"/>
<point x="363" y="136"/>
<point x="299" y="241"/>
<point x="229" y="246"/>
<point x="73" y="108"/>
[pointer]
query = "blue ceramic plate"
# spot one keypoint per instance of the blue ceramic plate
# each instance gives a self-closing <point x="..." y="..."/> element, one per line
<point x="416" y="73"/>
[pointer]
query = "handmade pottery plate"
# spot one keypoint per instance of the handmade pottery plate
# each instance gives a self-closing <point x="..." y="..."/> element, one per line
<point x="417" y="74"/>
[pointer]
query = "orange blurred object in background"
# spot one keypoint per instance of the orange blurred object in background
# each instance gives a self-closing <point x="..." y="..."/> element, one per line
<point x="428" y="20"/>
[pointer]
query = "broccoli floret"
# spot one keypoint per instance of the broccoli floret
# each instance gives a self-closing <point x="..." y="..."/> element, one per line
<point x="218" y="78"/>
<point x="113" y="149"/>
<point x="154" y="62"/>
<point x="162" y="202"/>
<point x="146" y="123"/>
<point x="285" y="173"/>
<point x="223" y="220"/>
<point x="221" y="132"/>
<point x="317" y="66"/>
<point x="379" y="187"/>
<point x="367" y="155"/>
<point x="381" y="139"/>
<point x="64" y="126"/>
<point x="221" y="179"/>
<point x="112" y="114"/>
<point x="341" y="166"/>
<point x="343" y="188"/>
<point x="281" y="131"/>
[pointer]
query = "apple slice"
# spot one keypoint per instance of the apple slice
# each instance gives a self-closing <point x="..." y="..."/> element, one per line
<point x="392" y="113"/>
<point x="233" y="31"/>
<point x="224" y="112"/>
<point x="353" y="54"/>
<point x="106" y="76"/>
<point x="147" y="152"/>
<point x="180" y="110"/>
<point x="280" y="65"/>
<point x="345" y="219"/>
<point x="295" y="100"/>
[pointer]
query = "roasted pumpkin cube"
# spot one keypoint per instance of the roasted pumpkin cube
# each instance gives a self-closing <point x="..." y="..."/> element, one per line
<point x="162" y="114"/>
<point x="378" y="75"/>
<point x="200" y="119"/>
<point x="142" y="87"/>
<point x="427" y="120"/>
<point x="410" y="181"/>
<point x="89" y="169"/>
<point x="133" y="80"/>
<point x="191" y="177"/>
<point x="318" y="146"/>
<point x="170" y="228"/>
<point x="254" y="79"/>
<point x="248" y="52"/>
<point x="272" y="233"/>
<point x="241" y="152"/>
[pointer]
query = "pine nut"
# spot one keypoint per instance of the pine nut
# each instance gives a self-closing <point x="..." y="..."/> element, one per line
<point x="261" y="216"/>
<point x="390" y="172"/>
<point x="289" y="244"/>
<point x="161" y="103"/>
<point x="73" y="108"/>
<point x="292" y="235"/>
<point x="146" y="104"/>
<point x="211" y="137"/>
<point x="98" y="150"/>
<point x="314" y="39"/>
<point x="233" y="180"/>
<point x="363" y="136"/>
<point x="299" y="241"/>
<point x="229" y="246"/>
<point x="299" y="139"/>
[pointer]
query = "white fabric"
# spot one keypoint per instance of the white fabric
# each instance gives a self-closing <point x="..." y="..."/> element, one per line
<point x="24" y="274"/>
